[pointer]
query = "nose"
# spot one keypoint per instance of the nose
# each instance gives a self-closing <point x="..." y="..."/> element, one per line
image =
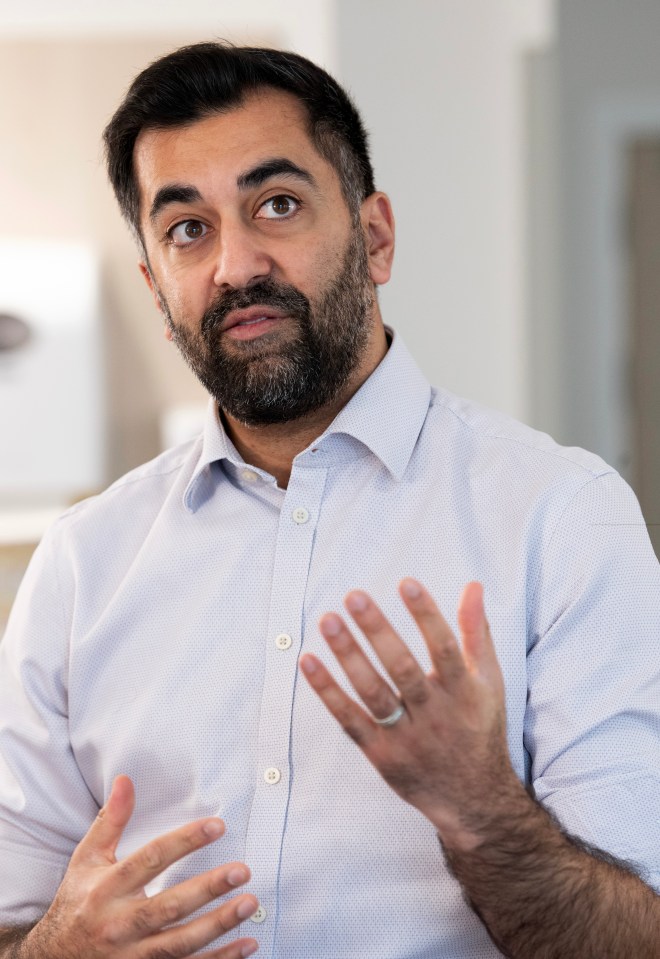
<point x="241" y="259"/>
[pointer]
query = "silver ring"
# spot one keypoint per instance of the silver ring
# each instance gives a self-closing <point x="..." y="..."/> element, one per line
<point x="393" y="718"/>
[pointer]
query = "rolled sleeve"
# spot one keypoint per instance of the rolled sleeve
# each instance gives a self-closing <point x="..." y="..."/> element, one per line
<point x="45" y="805"/>
<point x="593" y="713"/>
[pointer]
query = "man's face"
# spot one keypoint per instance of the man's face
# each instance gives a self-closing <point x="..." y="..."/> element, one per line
<point x="260" y="271"/>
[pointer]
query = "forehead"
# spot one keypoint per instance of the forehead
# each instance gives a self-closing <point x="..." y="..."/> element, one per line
<point x="219" y="147"/>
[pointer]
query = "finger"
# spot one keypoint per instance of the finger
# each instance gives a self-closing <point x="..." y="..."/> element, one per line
<point x="135" y="871"/>
<point x="235" y="950"/>
<point x="375" y="693"/>
<point x="177" y="903"/>
<point x="102" y="838"/>
<point x="239" y="949"/>
<point x="444" y="651"/>
<point x="393" y="653"/>
<point x="477" y="642"/>
<point x="187" y="939"/>
<point x="355" y="721"/>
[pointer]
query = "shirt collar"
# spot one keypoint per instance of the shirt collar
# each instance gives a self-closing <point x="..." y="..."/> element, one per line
<point x="388" y="411"/>
<point x="386" y="415"/>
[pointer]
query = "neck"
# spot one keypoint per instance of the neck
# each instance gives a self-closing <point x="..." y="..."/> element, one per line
<point x="274" y="447"/>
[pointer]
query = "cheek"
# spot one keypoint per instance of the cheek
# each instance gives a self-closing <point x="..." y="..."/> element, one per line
<point x="316" y="269"/>
<point x="185" y="299"/>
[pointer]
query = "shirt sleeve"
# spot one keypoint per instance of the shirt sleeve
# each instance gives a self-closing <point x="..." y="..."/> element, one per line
<point x="593" y="714"/>
<point x="45" y="805"/>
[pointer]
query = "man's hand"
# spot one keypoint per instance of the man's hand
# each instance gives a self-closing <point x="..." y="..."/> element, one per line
<point x="101" y="910"/>
<point x="448" y="749"/>
<point x="539" y="892"/>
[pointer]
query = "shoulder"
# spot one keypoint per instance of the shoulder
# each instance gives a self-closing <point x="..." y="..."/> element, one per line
<point x="493" y="439"/>
<point x="133" y="500"/>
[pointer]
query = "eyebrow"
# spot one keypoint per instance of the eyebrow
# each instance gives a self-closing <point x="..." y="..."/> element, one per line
<point x="277" y="166"/>
<point x="258" y="175"/>
<point x="173" y="193"/>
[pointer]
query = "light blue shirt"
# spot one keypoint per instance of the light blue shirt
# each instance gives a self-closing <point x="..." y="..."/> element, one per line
<point x="158" y="630"/>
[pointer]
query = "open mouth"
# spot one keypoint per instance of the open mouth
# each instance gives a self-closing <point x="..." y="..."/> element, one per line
<point x="246" y="324"/>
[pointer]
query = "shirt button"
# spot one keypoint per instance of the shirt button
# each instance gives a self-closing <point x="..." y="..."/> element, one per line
<point x="272" y="775"/>
<point x="250" y="476"/>
<point x="259" y="915"/>
<point x="300" y="515"/>
<point x="283" y="641"/>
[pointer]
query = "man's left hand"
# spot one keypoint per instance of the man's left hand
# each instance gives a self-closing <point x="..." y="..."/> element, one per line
<point x="447" y="753"/>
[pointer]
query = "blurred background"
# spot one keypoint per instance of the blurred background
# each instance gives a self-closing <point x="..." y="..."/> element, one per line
<point x="519" y="141"/>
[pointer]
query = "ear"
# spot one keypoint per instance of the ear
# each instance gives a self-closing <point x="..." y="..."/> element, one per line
<point x="378" y="224"/>
<point x="146" y="273"/>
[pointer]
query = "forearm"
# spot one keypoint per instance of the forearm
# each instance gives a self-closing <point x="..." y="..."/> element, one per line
<point x="11" y="940"/>
<point x="541" y="895"/>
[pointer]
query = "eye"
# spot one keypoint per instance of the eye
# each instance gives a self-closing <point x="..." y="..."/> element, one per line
<point x="186" y="232"/>
<point x="279" y="207"/>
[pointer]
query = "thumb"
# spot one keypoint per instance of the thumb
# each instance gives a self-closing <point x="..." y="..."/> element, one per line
<point x="104" y="834"/>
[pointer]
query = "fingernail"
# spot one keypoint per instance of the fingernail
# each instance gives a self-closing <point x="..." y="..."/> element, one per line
<point x="331" y="624"/>
<point x="245" y="909"/>
<point x="236" y="876"/>
<point x="249" y="949"/>
<point x="356" y="602"/>
<point x="212" y="829"/>
<point x="411" y="589"/>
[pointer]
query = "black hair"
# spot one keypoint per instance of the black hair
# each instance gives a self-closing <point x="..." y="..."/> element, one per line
<point x="196" y="81"/>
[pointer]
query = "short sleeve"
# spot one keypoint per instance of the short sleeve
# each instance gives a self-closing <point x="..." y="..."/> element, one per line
<point x="45" y="805"/>
<point x="593" y="713"/>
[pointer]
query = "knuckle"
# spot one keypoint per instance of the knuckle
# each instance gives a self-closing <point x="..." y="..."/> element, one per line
<point x="382" y="703"/>
<point x="376" y="692"/>
<point x="427" y="615"/>
<point x="153" y="856"/>
<point x="407" y="670"/>
<point x="86" y="908"/>
<point x="165" y="952"/>
<point x="170" y="910"/>
<point x="143" y="920"/>
<point x="126" y="870"/>
<point x="179" y="946"/>
<point x="417" y="694"/>
<point x="91" y="901"/>
<point x="446" y="651"/>
<point x="373" y="620"/>
<point x="112" y="932"/>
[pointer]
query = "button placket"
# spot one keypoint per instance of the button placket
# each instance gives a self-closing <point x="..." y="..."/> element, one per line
<point x="293" y="551"/>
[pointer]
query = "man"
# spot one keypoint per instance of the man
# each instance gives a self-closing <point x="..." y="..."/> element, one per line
<point x="150" y="671"/>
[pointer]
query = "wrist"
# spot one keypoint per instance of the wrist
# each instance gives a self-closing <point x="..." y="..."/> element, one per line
<point x="36" y="944"/>
<point x="485" y="815"/>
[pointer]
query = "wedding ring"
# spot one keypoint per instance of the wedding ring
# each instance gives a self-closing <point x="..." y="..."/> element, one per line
<point x="393" y="718"/>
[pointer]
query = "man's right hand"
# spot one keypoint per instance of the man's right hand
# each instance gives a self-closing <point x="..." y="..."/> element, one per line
<point x="101" y="910"/>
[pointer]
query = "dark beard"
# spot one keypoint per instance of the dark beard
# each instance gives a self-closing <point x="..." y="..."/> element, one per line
<point x="265" y="381"/>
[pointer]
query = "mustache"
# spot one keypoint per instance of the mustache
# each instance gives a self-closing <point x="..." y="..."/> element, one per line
<point x="267" y="292"/>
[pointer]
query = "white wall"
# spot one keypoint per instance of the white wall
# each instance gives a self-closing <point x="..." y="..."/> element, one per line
<point x="439" y="83"/>
<point x="306" y="26"/>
